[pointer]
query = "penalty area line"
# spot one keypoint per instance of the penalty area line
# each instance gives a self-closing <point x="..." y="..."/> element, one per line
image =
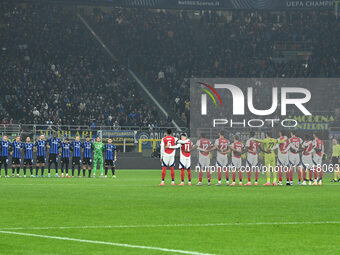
<point x="105" y="243"/>
<point x="178" y="225"/>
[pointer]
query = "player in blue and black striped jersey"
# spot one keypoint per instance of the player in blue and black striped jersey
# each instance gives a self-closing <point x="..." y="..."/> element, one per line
<point x="110" y="157"/>
<point x="87" y="158"/>
<point x="65" y="156"/>
<point x="16" y="156"/>
<point x="5" y="147"/>
<point x="76" y="151"/>
<point x="40" y="146"/>
<point x="53" y="146"/>
<point x="28" y="155"/>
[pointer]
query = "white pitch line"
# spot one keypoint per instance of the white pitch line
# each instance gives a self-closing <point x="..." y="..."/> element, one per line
<point x="106" y="243"/>
<point x="179" y="225"/>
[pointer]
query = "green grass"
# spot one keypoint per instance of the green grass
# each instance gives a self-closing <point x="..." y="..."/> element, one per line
<point x="135" y="198"/>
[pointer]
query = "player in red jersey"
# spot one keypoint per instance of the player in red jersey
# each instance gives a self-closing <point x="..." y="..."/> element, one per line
<point x="294" y="156"/>
<point x="203" y="146"/>
<point x="306" y="160"/>
<point x="222" y="147"/>
<point x="282" y="157"/>
<point x="317" y="158"/>
<point x="168" y="156"/>
<point x="236" y="158"/>
<point x="185" y="157"/>
<point x="252" y="158"/>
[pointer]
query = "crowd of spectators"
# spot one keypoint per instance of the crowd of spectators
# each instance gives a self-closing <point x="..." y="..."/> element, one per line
<point x="168" y="47"/>
<point x="53" y="71"/>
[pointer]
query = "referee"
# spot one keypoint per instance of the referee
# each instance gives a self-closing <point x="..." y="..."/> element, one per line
<point x="336" y="160"/>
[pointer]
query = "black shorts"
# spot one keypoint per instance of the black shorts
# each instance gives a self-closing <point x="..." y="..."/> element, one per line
<point x="16" y="161"/>
<point x="4" y="160"/>
<point x="76" y="161"/>
<point x="28" y="161"/>
<point x="53" y="158"/>
<point x="109" y="162"/>
<point x="87" y="161"/>
<point x="41" y="159"/>
<point x="335" y="161"/>
<point x="65" y="161"/>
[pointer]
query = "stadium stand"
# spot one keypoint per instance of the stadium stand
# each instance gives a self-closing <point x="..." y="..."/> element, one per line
<point x="53" y="72"/>
<point x="51" y="58"/>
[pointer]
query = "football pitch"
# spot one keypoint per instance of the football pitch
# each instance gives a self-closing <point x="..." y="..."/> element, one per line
<point x="133" y="215"/>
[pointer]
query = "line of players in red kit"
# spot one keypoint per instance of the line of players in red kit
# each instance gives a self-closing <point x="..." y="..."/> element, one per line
<point x="287" y="148"/>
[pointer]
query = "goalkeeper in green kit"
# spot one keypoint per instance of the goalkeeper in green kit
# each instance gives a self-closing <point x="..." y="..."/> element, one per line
<point x="99" y="147"/>
<point x="269" y="156"/>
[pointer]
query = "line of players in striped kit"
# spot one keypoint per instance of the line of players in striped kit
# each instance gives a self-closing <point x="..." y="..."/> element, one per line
<point x="288" y="158"/>
<point x="56" y="148"/>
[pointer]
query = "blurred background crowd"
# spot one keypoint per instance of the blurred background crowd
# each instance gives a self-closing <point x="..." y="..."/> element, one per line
<point x="53" y="71"/>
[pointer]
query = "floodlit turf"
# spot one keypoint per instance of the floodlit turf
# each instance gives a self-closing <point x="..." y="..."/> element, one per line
<point x="116" y="209"/>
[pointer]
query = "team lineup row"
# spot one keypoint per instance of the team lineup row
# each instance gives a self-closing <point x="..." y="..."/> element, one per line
<point x="288" y="157"/>
<point x="92" y="155"/>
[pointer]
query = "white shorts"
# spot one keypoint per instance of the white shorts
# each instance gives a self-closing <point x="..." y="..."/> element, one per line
<point x="236" y="163"/>
<point x="307" y="162"/>
<point x="252" y="160"/>
<point x="282" y="160"/>
<point x="221" y="160"/>
<point x="204" y="161"/>
<point x="317" y="160"/>
<point x="294" y="159"/>
<point x="184" y="163"/>
<point x="168" y="160"/>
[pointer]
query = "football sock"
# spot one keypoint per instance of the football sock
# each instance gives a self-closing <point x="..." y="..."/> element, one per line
<point x="280" y="174"/>
<point x="163" y="172"/>
<point x="106" y="169"/>
<point x="182" y="174"/>
<point x="219" y="173"/>
<point x="13" y="171"/>
<point x="299" y="175"/>
<point x="304" y="175"/>
<point x="42" y="170"/>
<point x="200" y="176"/>
<point x="311" y="175"/>
<point x="89" y="173"/>
<point x="240" y="175"/>
<point x="83" y="172"/>
<point x="18" y="170"/>
<point x="24" y="170"/>
<point x="268" y="174"/>
<point x="234" y="176"/>
<point x="172" y="172"/>
<point x="249" y="175"/>
<point x="36" y="171"/>
<point x="315" y="173"/>
<point x="227" y="175"/>
<point x="31" y="170"/>
<point x="113" y="170"/>
<point x="209" y="176"/>
<point x="189" y="175"/>
<point x="256" y="175"/>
